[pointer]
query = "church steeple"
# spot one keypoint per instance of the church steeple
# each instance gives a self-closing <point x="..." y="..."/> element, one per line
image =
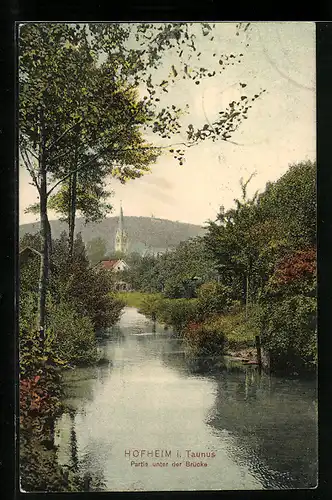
<point x="121" y="238"/>
<point x="121" y="218"/>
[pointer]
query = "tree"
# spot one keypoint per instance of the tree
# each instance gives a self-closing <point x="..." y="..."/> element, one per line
<point x="176" y="273"/>
<point x="291" y="201"/>
<point x="231" y="241"/>
<point x="78" y="111"/>
<point x="96" y="249"/>
<point x="65" y="99"/>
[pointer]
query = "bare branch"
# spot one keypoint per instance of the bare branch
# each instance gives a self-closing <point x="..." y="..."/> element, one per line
<point x="63" y="134"/>
<point x="29" y="168"/>
<point x="31" y="153"/>
<point x="60" y="156"/>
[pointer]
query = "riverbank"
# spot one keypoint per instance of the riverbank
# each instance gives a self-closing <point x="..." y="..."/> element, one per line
<point x="136" y="299"/>
<point x="231" y="332"/>
<point x="239" y="333"/>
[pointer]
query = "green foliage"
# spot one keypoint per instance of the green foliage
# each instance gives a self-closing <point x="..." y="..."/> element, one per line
<point x="70" y="336"/>
<point x="213" y="298"/>
<point x="150" y="305"/>
<point x="204" y="339"/>
<point x="40" y="471"/>
<point x="176" y="273"/>
<point x="239" y="332"/>
<point x="264" y="250"/>
<point x="175" y="288"/>
<point x="291" y="200"/>
<point x="79" y="302"/>
<point x="172" y="312"/>
<point x="290" y="331"/>
<point x="252" y="237"/>
<point x="177" y="312"/>
<point x="84" y="288"/>
<point x="289" y="309"/>
<point x="96" y="249"/>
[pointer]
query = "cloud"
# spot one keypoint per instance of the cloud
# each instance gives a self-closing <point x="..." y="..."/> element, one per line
<point x="160" y="182"/>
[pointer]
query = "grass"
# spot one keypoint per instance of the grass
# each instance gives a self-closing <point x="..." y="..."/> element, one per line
<point x="239" y="332"/>
<point x="134" y="299"/>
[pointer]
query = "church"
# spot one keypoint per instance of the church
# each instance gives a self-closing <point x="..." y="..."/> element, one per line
<point x="121" y="236"/>
<point x="118" y="265"/>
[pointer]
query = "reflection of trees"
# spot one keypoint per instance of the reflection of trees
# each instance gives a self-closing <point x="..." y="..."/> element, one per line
<point x="92" y="473"/>
<point x="114" y="333"/>
<point x="87" y="470"/>
<point x="79" y="385"/>
<point x="175" y="360"/>
<point x="271" y="426"/>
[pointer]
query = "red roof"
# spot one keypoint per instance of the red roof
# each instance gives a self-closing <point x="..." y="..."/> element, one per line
<point x="108" y="264"/>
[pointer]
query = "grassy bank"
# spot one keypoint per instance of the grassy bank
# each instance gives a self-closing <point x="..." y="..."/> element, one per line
<point x="213" y="329"/>
<point x="136" y="299"/>
<point x="239" y="332"/>
<point x="187" y="315"/>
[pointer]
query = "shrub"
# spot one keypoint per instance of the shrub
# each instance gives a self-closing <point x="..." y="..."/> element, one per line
<point x="177" y="312"/>
<point x="289" y="331"/>
<point x="204" y="339"/>
<point x="175" y="289"/>
<point x="70" y="336"/>
<point x="172" y="312"/>
<point x="213" y="298"/>
<point x="89" y="294"/>
<point x="149" y="305"/>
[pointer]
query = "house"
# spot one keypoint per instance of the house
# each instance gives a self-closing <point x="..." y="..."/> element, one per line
<point x="115" y="266"/>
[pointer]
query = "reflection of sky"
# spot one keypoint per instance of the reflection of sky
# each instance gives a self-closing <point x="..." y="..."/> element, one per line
<point x="262" y="429"/>
<point x="280" y="128"/>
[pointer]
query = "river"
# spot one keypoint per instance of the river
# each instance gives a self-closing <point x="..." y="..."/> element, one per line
<point x="252" y="431"/>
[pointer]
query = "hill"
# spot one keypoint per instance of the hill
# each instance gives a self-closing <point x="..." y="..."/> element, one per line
<point x="144" y="233"/>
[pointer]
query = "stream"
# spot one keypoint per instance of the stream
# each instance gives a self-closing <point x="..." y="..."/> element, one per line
<point x="149" y="420"/>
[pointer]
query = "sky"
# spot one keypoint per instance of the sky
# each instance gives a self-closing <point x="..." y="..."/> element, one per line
<point x="280" y="129"/>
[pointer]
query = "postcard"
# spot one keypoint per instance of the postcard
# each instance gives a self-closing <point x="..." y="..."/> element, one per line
<point x="167" y="309"/>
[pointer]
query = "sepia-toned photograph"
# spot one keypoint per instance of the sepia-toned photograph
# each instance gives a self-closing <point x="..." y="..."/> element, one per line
<point x="167" y="256"/>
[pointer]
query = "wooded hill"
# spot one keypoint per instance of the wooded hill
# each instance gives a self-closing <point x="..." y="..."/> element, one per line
<point x="144" y="233"/>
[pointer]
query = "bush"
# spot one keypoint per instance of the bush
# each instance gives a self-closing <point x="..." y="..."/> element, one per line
<point x="205" y="339"/>
<point x="70" y="336"/>
<point x="175" y="289"/>
<point x="289" y="331"/>
<point x="88" y="292"/>
<point x="150" y="304"/>
<point x="213" y="298"/>
<point x="177" y="312"/>
<point x="172" y="312"/>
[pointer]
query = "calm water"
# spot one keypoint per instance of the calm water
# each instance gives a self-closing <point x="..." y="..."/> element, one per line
<point x="261" y="429"/>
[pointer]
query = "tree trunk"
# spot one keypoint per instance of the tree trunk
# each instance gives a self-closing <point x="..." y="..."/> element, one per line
<point x="44" y="223"/>
<point x="72" y="214"/>
<point x="49" y="238"/>
<point x="72" y="206"/>
<point x="247" y="294"/>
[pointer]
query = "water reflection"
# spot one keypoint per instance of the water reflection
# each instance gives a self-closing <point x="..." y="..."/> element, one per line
<point x="272" y="423"/>
<point x="153" y="394"/>
<point x="86" y="465"/>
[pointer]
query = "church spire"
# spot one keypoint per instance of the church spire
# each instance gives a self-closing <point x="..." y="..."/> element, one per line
<point x="121" y="218"/>
<point x="121" y="238"/>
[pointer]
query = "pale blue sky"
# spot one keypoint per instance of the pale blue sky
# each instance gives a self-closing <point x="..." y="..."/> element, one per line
<point x="280" y="128"/>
